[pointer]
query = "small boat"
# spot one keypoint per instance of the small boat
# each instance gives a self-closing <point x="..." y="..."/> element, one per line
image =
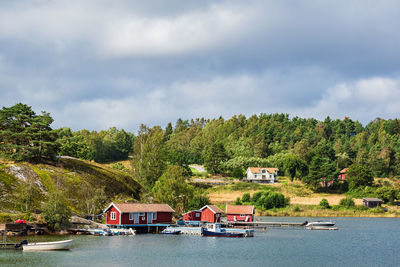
<point x="41" y="246"/>
<point x="319" y="224"/>
<point x="214" y="229"/>
<point x="171" y="232"/>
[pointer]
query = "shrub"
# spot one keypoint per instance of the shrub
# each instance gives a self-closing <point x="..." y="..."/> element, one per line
<point x="324" y="203"/>
<point x="246" y="197"/>
<point x="237" y="201"/>
<point x="347" y="202"/>
<point x="296" y="208"/>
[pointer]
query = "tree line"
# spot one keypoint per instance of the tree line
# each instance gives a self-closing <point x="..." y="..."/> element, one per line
<point x="302" y="148"/>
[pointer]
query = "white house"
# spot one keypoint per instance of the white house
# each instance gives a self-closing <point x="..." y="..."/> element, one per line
<point x="262" y="175"/>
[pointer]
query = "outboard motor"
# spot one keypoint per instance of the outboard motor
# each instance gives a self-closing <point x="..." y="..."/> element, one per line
<point x="23" y="242"/>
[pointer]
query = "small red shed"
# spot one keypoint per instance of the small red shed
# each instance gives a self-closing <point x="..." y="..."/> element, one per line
<point x="211" y="214"/>
<point x="138" y="213"/>
<point x="194" y="215"/>
<point x="237" y="213"/>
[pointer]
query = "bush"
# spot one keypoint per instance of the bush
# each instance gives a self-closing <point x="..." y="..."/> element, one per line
<point x="324" y="203"/>
<point x="246" y="197"/>
<point x="269" y="200"/>
<point x="347" y="202"/>
<point x="237" y="201"/>
<point x="296" y="208"/>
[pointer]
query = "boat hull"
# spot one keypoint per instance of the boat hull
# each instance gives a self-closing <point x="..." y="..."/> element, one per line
<point x="320" y="224"/>
<point x="205" y="232"/>
<point x="42" y="246"/>
<point x="177" y="232"/>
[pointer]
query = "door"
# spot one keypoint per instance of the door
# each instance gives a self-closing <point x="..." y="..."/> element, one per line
<point x="149" y="217"/>
<point x="136" y="218"/>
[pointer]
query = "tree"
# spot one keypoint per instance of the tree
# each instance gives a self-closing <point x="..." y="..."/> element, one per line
<point x="149" y="155"/>
<point x="172" y="189"/>
<point x="92" y="200"/>
<point x="359" y="175"/>
<point x="25" y="135"/>
<point x="215" y="155"/>
<point x="198" y="201"/>
<point x="56" y="212"/>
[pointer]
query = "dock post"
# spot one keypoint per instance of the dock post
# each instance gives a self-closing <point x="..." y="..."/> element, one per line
<point x="5" y="235"/>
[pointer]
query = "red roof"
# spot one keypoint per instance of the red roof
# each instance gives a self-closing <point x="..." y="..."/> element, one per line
<point x="213" y="208"/>
<point x="238" y="209"/>
<point x="344" y="170"/>
<point x="141" y="207"/>
<point x="258" y="169"/>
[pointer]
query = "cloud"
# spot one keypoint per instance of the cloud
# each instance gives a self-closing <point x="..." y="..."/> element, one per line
<point x="364" y="100"/>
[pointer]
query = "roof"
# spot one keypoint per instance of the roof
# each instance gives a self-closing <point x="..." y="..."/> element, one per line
<point x="344" y="170"/>
<point x="258" y="169"/>
<point x="238" y="209"/>
<point x="213" y="208"/>
<point x="140" y="207"/>
<point x="371" y="199"/>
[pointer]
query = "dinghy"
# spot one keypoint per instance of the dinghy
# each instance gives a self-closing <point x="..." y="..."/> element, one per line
<point x="41" y="246"/>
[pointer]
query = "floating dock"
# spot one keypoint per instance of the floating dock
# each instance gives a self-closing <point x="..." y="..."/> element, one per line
<point x="263" y="224"/>
<point x="197" y="231"/>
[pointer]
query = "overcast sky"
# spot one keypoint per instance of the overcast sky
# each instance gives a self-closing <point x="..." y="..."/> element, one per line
<point x="95" y="64"/>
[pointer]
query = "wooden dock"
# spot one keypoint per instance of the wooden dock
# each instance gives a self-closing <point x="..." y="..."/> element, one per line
<point x="263" y="224"/>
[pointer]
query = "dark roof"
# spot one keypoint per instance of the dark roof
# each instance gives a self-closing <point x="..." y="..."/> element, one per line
<point x="371" y="199"/>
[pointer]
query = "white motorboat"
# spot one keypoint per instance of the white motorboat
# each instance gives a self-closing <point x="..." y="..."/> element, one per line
<point x="40" y="246"/>
<point x="320" y="224"/>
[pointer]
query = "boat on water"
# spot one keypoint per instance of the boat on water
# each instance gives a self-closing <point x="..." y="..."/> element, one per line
<point x="214" y="229"/>
<point x="171" y="232"/>
<point x="42" y="246"/>
<point x="320" y="224"/>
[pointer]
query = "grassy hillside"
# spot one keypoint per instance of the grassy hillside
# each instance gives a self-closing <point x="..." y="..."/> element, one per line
<point x="303" y="201"/>
<point x="25" y="182"/>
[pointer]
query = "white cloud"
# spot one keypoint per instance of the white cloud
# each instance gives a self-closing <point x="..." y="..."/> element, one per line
<point x="364" y="100"/>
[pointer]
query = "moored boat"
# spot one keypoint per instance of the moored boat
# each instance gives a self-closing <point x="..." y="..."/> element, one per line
<point x="320" y="224"/>
<point x="171" y="232"/>
<point x="41" y="246"/>
<point x="214" y="229"/>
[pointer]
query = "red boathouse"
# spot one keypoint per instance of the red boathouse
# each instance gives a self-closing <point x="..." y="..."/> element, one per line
<point x="138" y="214"/>
<point x="194" y="215"/>
<point x="211" y="214"/>
<point x="237" y="213"/>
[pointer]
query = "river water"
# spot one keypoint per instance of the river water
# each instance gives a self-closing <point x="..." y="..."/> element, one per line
<point x="358" y="242"/>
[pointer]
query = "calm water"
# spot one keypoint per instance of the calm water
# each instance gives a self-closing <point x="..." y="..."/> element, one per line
<point x="359" y="242"/>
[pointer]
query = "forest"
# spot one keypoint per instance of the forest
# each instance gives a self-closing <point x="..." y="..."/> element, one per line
<point x="302" y="148"/>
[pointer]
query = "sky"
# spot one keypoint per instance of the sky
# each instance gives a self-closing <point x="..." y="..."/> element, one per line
<point x="94" y="64"/>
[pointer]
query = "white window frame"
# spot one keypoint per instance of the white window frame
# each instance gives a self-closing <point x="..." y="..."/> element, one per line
<point x="141" y="214"/>
<point x="198" y="214"/>
<point x="113" y="215"/>
<point x="131" y="214"/>
<point x="154" y="216"/>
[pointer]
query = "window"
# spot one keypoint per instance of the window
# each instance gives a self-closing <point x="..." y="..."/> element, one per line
<point x="197" y="214"/>
<point x="130" y="216"/>
<point x="141" y="213"/>
<point x="263" y="176"/>
<point x="154" y="215"/>
<point x="113" y="215"/>
<point x="242" y="215"/>
<point x="263" y="171"/>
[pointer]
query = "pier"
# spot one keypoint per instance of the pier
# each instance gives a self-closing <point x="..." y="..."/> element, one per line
<point x="263" y="224"/>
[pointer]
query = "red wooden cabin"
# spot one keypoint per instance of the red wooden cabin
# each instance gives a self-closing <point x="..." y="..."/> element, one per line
<point x="343" y="174"/>
<point x="138" y="213"/>
<point x="194" y="215"/>
<point x="236" y="213"/>
<point x="211" y="214"/>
